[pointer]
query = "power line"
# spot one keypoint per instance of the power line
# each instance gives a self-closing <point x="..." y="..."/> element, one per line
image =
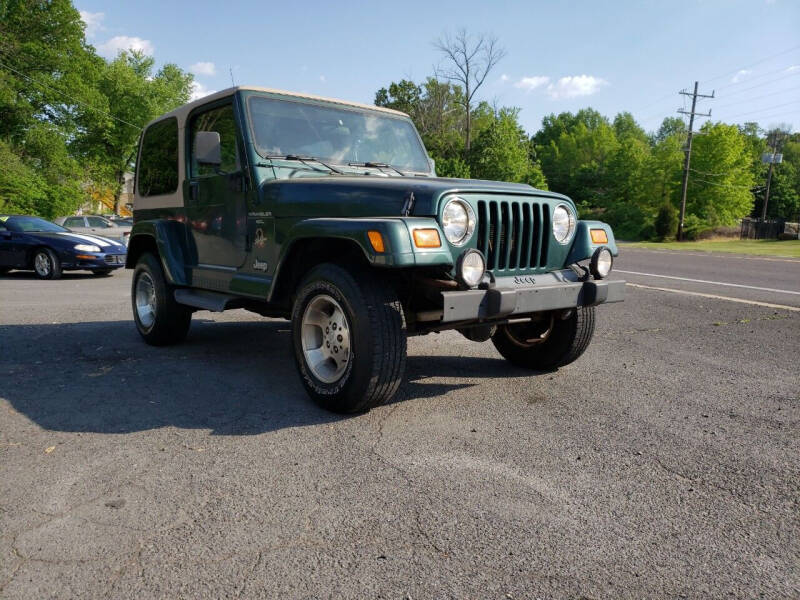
<point x="758" y="62"/>
<point x="75" y="100"/>
<point x="759" y="97"/>
<point x="725" y="185"/>
<point x="793" y="102"/>
<point x="749" y="78"/>
<point x="763" y="83"/>
<point x="667" y="96"/>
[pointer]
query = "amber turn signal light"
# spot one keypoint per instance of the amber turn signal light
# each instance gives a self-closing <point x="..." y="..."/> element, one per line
<point x="427" y="238"/>
<point x="376" y="239"/>
<point x="599" y="236"/>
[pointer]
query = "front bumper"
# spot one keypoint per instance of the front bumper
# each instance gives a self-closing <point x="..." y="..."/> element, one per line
<point x="102" y="261"/>
<point x="515" y="296"/>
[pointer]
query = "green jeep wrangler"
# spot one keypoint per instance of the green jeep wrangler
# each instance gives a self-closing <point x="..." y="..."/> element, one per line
<point x="330" y="214"/>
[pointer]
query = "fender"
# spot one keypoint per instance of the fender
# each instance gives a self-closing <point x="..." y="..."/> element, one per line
<point x="582" y="245"/>
<point x="396" y="233"/>
<point x="171" y="241"/>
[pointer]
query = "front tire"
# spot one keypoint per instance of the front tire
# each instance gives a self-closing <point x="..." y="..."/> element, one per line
<point x="46" y="264"/>
<point x="547" y="343"/>
<point x="161" y="320"/>
<point x="349" y="338"/>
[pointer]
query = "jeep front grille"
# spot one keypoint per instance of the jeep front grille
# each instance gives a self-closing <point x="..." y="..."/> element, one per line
<point x="510" y="234"/>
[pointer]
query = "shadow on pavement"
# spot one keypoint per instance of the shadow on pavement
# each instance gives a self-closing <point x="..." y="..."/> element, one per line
<point x="235" y="378"/>
<point x="30" y="275"/>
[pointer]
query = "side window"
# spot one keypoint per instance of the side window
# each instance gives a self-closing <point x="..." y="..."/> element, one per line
<point x="223" y="122"/>
<point x="158" y="160"/>
<point x="97" y="222"/>
<point x="74" y="222"/>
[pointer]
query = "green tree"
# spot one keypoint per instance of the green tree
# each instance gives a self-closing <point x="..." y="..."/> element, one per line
<point x="666" y="224"/>
<point x="721" y="179"/>
<point x="132" y="95"/>
<point x="501" y="152"/>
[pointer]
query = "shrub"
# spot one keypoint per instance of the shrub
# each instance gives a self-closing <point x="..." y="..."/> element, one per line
<point x="666" y="224"/>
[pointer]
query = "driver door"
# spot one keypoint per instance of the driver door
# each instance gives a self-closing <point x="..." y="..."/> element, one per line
<point x="215" y="196"/>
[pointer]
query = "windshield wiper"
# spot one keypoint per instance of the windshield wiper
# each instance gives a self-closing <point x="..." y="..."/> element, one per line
<point x="377" y="165"/>
<point x="306" y="160"/>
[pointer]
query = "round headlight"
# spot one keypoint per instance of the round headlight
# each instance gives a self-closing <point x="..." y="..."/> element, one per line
<point x="470" y="268"/>
<point x="563" y="223"/>
<point x="87" y="248"/>
<point x="458" y="221"/>
<point x="601" y="263"/>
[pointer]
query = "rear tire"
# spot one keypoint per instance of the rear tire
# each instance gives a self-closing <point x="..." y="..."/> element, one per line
<point x="46" y="264"/>
<point x="161" y="320"/>
<point x="548" y="345"/>
<point x="349" y="338"/>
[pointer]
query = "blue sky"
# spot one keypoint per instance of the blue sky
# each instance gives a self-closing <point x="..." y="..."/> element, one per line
<point x="612" y="56"/>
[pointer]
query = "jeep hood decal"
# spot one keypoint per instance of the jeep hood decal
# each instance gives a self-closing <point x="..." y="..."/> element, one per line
<point x="373" y="196"/>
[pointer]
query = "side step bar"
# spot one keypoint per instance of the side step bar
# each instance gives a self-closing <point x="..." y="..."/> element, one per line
<point x="213" y="301"/>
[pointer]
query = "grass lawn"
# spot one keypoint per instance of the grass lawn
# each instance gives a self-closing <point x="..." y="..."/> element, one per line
<point x="786" y="248"/>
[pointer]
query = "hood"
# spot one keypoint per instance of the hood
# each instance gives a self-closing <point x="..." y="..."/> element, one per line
<point x="374" y="196"/>
<point x="67" y="238"/>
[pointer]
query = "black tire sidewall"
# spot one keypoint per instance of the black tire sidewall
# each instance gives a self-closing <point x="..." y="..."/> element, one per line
<point x="171" y="320"/>
<point x="568" y="340"/>
<point x="333" y="282"/>
<point x="55" y="264"/>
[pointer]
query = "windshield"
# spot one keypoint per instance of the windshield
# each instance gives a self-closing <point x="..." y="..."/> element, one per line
<point x="21" y="224"/>
<point x="336" y="135"/>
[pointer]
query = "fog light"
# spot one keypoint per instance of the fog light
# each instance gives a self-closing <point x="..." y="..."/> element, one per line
<point x="470" y="268"/>
<point x="601" y="263"/>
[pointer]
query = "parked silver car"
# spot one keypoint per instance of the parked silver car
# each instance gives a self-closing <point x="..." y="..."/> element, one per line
<point x="97" y="225"/>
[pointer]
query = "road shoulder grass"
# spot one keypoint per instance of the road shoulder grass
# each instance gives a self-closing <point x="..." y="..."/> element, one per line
<point x="784" y="249"/>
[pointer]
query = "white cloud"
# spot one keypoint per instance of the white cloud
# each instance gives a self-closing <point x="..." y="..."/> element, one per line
<point x="93" y="22"/>
<point x="322" y="78"/>
<point x="575" y="85"/>
<point x="200" y="91"/>
<point x="740" y="74"/>
<point x="203" y="68"/>
<point x="504" y="78"/>
<point x="531" y="83"/>
<point x="118" y="43"/>
<point x="792" y="68"/>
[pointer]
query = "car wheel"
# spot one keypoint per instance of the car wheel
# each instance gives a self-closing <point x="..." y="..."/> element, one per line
<point x="349" y="337"/>
<point x="548" y="342"/>
<point x="46" y="264"/>
<point x="102" y="272"/>
<point x="159" y="318"/>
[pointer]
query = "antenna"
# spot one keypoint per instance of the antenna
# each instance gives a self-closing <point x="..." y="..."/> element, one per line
<point x="230" y="70"/>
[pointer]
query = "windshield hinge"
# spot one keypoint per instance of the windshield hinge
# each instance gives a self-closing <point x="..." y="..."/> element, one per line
<point x="408" y="205"/>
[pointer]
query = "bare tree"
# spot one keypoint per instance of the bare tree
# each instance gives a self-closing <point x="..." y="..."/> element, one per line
<point x="469" y="59"/>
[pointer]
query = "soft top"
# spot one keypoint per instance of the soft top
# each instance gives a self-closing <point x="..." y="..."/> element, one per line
<point x="183" y="111"/>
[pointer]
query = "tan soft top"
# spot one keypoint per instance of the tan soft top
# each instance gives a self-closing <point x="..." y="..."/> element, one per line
<point x="183" y="111"/>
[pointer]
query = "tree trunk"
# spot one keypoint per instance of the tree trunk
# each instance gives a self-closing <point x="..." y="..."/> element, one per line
<point x="118" y="190"/>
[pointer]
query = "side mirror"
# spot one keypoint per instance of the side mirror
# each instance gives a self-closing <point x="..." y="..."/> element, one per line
<point x="207" y="148"/>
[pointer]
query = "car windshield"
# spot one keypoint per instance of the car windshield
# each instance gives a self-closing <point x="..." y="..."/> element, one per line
<point x="337" y="135"/>
<point x="23" y="224"/>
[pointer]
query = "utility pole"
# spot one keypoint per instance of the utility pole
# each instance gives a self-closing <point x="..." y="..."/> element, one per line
<point x="688" y="158"/>
<point x="772" y="161"/>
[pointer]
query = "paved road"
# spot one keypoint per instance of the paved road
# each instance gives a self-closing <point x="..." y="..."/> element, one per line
<point x="760" y="278"/>
<point x="663" y="464"/>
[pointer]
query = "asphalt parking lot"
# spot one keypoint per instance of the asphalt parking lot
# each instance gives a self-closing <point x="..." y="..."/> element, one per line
<point x="663" y="464"/>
